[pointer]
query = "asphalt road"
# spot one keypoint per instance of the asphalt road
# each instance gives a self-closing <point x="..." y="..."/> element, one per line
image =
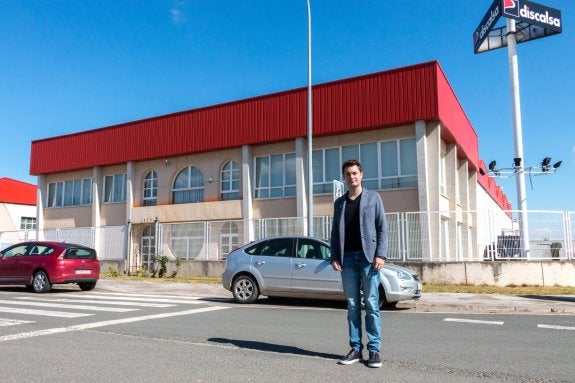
<point x="170" y="337"/>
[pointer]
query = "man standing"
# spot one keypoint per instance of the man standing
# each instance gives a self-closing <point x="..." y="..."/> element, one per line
<point x="359" y="250"/>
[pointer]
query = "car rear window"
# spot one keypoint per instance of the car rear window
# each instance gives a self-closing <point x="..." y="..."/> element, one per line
<point x="80" y="253"/>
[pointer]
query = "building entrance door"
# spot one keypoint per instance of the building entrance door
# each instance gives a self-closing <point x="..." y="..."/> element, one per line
<point x="148" y="247"/>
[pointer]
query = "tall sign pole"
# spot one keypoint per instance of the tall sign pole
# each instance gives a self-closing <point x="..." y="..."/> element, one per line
<point x="526" y="21"/>
<point x="517" y="135"/>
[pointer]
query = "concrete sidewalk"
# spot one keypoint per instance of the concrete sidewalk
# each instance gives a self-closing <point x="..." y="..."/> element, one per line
<point x="429" y="302"/>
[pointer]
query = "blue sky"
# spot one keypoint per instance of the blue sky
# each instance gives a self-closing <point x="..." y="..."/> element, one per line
<point x="68" y="66"/>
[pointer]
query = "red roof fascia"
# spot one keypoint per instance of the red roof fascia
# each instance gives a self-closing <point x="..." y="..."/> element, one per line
<point x="17" y="192"/>
<point x="382" y="99"/>
<point x="456" y="126"/>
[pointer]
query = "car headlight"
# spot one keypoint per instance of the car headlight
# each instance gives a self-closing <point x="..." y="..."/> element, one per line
<point x="403" y="275"/>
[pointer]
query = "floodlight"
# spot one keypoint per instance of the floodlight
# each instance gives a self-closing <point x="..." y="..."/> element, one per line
<point x="557" y="164"/>
<point x="545" y="164"/>
<point x="492" y="165"/>
<point x="517" y="162"/>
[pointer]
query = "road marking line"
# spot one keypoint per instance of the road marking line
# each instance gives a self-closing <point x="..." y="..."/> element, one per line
<point x="63" y="306"/>
<point x="12" y="322"/>
<point x="552" y="327"/>
<point x="98" y="302"/>
<point x="150" y="295"/>
<point x="88" y="326"/>
<point x="46" y="313"/>
<point x="140" y="298"/>
<point x="498" y="323"/>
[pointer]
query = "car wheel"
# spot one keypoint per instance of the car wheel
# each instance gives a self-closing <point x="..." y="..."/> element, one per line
<point x="87" y="286"/>
<point x="383" y="303"/>
<point x="245" y="289"/>
<point x="41" y="283"/>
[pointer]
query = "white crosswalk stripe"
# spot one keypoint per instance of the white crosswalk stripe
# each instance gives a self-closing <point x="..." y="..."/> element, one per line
<point x="140" y="298"/>
<point x="61" y="314"/>
<point x="177" y="297"/>
<point x="104" y="302"/>
<point x="65" y="306"/>
<point x="4" y="322"/>
<point x="95" y="301"/>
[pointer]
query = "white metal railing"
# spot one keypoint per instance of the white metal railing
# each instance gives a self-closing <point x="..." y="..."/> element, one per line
<point x="413" y="236"/>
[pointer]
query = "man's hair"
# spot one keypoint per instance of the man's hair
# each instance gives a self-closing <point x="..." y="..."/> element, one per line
<point x="350" y="163"/>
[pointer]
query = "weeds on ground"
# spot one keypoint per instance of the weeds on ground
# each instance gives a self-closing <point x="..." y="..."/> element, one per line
<point x="510" y="290"/>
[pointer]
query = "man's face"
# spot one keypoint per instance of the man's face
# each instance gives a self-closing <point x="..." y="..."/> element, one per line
<point x="352" y="176"/>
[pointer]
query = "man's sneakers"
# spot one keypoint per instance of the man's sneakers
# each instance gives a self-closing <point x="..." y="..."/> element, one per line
<point x="352" y="356"/>
<point x="374" y="360"/>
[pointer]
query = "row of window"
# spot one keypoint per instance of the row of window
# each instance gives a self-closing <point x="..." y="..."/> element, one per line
<point x="385" y="165"/>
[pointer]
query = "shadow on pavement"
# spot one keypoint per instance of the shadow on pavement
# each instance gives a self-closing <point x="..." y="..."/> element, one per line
<point x="270" y="347"/>
<point x="557" y="298"/>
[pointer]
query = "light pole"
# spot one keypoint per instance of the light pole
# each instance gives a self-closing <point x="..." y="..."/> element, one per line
<point x="309" y="130"/>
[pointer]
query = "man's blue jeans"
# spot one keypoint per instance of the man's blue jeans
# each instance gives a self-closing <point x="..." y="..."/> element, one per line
<point x="357" y="274"/>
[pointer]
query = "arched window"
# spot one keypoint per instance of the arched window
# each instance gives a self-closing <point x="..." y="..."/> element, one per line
<point x="151" y="189"/>
<point x="230" y="185"/>
<point x="188" y="186"/>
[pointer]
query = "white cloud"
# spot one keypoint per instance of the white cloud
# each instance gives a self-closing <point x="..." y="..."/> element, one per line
<point x="177" y="16"/>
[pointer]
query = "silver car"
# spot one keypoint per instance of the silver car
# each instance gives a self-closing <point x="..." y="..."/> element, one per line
<point x="299" y="267"/>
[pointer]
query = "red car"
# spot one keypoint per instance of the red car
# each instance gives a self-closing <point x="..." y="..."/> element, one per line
<point x="39" y="265"/>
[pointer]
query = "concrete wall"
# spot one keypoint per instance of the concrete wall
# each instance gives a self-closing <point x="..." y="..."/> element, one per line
<point x="498" y="273"/>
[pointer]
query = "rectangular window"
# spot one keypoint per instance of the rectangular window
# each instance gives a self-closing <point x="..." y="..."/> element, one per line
<point x="444" y="239"/>
<point x="442" y="178"/>
<point x="275" y="176"/>
<point x="369" y="166"/>
<point x="27" y="223"/>
<point x="70" y="193"/>
<point x="60" y="194"/>
<point x="399" y="164"/>
<point x="86" y="191"/>
<point x="328" y="165"/>
<point x="51" y="200"/>
<point x="115" y="188"/>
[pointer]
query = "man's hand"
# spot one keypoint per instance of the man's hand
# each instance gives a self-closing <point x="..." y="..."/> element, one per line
<point x="336" y="265"/>
<point x="378" y="263"/>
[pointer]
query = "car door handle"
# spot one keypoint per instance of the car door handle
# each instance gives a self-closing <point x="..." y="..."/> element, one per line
<point x="259" y="263"/>
<point x="300" y="265"/>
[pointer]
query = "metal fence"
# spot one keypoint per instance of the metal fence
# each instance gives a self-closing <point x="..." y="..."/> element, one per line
<point x="413" y="236"/>
<point x="417" y="236"/>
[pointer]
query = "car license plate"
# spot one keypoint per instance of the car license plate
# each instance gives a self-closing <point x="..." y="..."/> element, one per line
<point x="83" y="271"/>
